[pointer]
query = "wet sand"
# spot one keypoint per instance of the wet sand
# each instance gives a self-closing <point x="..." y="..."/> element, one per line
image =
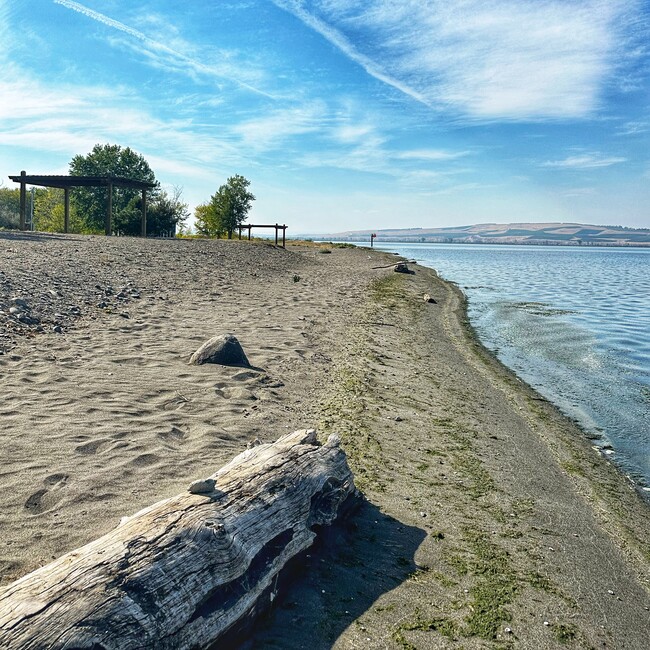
<point x="488" y="519"/>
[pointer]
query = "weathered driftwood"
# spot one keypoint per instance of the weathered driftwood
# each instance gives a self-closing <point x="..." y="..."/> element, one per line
<point x="182" y="572"/>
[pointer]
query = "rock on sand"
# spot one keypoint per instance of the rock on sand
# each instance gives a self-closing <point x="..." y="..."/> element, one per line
<point x="225" y="350"/>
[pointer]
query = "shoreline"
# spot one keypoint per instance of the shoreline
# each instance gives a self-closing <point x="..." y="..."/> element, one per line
<point x="527" y="599"/>
<point x="488" y="519"/>
<point x="640" y="486"/>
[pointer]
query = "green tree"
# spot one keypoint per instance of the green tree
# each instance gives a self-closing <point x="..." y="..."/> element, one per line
<point x="91" y="202"/>
<point x="206" y="221"/>
<point x="230" y="204"/>
<point x="49" y="212"/>
<point x="9" y="208"/>
<point x="167" y="213"/>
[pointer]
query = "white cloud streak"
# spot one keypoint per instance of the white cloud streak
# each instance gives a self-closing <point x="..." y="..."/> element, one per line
<point x="160" y="54"/>
<point x="430" y="155"/>
<point x="584" y="161"/>
<point x="346" y="46"/>
<point x="487" y="59"/>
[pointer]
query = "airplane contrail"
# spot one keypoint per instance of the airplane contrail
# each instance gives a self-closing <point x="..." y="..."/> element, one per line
<point x="155" y="45"/>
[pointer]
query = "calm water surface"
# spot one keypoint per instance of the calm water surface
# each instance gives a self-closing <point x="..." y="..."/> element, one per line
<point x="572" y="322"/>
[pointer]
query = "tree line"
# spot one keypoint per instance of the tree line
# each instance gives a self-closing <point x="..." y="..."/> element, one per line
<point x="167" y="213"/>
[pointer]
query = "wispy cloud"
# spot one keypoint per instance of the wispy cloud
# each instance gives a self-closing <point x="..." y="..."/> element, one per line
<point x="346" y="46"/>
<point x="633" y="128"/>
<point x="159" y="54"/>
<point x="584" y="161"/>
<point x="276" y="127"/>
<point x="579" y="192"/>
<point x="494" y="59"/>
<point x="430" y="155"/>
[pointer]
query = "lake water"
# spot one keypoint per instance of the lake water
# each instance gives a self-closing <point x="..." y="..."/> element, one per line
<point x="572" y="322"/>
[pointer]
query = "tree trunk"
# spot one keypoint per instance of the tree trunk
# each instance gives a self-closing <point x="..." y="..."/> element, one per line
<point x="181" y="573"/>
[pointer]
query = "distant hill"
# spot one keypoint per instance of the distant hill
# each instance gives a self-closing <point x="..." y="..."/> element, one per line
<point x="563" y="234"/>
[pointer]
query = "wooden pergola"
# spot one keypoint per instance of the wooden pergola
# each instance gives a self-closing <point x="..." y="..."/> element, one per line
<point x="66" y="182"/>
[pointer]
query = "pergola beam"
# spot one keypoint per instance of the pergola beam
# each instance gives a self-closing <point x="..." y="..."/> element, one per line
<point x="66" y="182"/>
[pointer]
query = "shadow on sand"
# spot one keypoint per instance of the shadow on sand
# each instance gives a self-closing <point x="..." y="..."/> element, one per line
<point x="26" y="235"/>
<point x="351" y="565"/>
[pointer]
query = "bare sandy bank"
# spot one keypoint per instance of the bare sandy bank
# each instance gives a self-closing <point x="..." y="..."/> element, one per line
<point x="489" y="520"/>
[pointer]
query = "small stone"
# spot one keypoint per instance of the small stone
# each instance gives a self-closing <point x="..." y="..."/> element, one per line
<point x="57" y="329"/>
<point x="334" y="440"/>
<point x="125" y="314"/>
<point x="14" y="310"/>
<point x="423" y="514"/>
<point x="546" y="623"/>
<point x="508" y="630"/>
<point x="202" y="486"/>
<point x="398" y="418"/>
<point x="610" y="592"/>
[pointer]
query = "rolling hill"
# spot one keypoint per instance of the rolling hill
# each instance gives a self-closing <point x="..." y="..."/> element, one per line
<point x="564" y="234"/>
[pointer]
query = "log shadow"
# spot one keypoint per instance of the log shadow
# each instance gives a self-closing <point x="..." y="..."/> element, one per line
<point x="352" y="563"/>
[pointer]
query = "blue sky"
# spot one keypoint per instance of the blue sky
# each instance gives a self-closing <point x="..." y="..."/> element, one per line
<point x="345" y="115"/>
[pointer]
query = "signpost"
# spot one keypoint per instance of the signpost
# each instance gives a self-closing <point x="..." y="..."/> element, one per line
<point x="372" y="239"/>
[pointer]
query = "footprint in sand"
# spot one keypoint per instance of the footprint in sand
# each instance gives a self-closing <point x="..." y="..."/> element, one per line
<point x="145" y="460"/>
<point x="173" y="436"/>
<point x="91" y="447"/>
<point x="245" y="375"/>
<point x="235" y="393"/>
<point x="46" y="498"/>
<point x="176" y="403"/>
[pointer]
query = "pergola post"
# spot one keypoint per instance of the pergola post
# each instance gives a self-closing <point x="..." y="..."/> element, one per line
<point x="109" y="210"/>
<point x="249" y="233"/>
<point x="66" y="209"/>
<point x="276" y="233"/>
<point x="143" y="224"/>
<point x="284" y="233"/>
<point x="23" y="199"/>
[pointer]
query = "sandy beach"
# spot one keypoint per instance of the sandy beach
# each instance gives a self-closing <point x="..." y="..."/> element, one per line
<point x="488" y="519"/>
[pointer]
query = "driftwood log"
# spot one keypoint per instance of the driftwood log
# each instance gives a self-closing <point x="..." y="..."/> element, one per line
<point x="183" y="572"/>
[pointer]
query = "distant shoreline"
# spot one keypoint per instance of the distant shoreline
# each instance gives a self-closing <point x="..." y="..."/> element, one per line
<point x="528" y="233"/>
<point x="488" y="243"/>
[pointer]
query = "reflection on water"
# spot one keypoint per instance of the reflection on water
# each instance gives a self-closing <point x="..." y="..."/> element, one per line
<point x="573" y="322"/>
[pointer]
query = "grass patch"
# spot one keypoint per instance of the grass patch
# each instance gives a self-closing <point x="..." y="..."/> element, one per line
<point x="538" y="581"/>
<point x="439" y="624"/>
<point x="565" y="633"/>
<point x="443" y="579"/>
<point x="494" y="590"/>
<point x="472" y="468"/>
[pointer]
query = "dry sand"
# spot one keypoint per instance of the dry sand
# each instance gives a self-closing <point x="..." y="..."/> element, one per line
<point x="489" y="521"/>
